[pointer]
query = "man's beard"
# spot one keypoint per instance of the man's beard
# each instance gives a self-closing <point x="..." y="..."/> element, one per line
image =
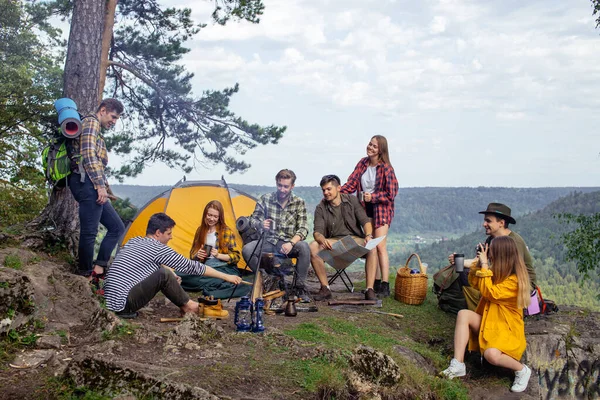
<point x="284" y="196"/>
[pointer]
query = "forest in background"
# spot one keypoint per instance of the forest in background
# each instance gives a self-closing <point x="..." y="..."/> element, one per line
<point x="423" y="210"/>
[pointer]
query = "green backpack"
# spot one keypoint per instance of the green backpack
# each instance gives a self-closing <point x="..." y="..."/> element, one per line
<point x="61" y="157"/>
<point x="56" y="161"/>
<point x="447" y="288"/>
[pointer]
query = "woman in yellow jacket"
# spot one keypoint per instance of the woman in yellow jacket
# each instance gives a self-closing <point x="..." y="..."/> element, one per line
<point x="496" y="327"/>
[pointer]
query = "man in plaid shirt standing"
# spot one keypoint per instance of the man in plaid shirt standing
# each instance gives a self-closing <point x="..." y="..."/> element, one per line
<point x="90" y="188"/>
<point x="283" y="218"/>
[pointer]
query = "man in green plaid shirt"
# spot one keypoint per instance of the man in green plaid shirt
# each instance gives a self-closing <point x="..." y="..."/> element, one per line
<point x="282" y="216"/>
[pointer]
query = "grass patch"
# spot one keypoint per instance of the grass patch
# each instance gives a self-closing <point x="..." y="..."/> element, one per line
<point x="119" y="332"/>
<point x="13" y="261"/>
<point x="65" y="389"/>
<point x="318" y="373"/>
<point x="338" y="333"/>
<point x="34" y="260"/>
<point x="12" y="342"/>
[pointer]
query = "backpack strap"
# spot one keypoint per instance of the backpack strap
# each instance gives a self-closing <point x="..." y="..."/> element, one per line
<point x="543" y="305"/>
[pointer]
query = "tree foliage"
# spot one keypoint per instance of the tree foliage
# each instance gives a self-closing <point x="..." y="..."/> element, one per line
<point x="583" y="243"/>
<point x="172" y="125"/>
<point x="596" y="12"/>
<point x="30" y="80"/>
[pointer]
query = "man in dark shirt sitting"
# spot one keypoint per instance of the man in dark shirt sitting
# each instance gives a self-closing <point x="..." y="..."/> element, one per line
<point x="336" y="216"/>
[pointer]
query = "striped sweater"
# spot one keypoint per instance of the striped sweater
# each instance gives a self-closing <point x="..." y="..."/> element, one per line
<point x="136" y="261"/>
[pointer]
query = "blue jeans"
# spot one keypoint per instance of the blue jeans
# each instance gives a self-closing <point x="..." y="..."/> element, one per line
<point x="300" y="251"/>
<point x="90" y="215"/>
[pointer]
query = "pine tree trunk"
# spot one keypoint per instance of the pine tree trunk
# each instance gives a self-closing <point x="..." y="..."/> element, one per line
<point x="59" y="221"/>
<point x="82" y="68"/>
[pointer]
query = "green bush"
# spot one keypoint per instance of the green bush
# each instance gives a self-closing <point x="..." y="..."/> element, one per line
<point x="20" y="205"/>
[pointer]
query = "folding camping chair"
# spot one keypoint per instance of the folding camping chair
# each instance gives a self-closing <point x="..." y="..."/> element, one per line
<point x="341" y="273"/>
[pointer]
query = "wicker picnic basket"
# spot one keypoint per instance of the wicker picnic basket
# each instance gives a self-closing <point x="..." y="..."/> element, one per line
<point x="410" y="288"/>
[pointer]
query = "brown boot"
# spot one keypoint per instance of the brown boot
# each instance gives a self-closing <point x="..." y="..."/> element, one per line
<point x="370" y="294"/>
<point x="324" y="294"/>
<point x="215" y="311"/>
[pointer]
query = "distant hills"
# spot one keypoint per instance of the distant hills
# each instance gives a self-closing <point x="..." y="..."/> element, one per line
<point x="418" y="210"/>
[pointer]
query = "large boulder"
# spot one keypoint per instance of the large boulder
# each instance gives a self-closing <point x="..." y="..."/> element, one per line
<point x="564" y="350"/>
<point x="375" y="366"/>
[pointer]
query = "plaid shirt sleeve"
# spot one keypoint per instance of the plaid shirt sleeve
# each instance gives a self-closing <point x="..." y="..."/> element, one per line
<point x="90" y="146"/>
<point x="227" y="241"/>
<point x="388" y="189"/>
<point x="258" y="216"/>
<point x="302" y="221"/>
<point x="353" y="183"/>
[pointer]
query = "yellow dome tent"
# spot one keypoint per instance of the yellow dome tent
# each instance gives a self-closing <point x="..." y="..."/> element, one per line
<point x="185" y="203"/>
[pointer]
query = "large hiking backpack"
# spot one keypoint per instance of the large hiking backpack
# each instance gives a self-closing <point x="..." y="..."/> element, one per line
<point x="61" y="156"/>
<point x="56" y="161"/>
<point x="448" y="290"/>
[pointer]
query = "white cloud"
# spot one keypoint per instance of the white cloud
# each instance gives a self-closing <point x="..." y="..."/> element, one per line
<point x="445" y="67"/>
<point x="438" y="25"/>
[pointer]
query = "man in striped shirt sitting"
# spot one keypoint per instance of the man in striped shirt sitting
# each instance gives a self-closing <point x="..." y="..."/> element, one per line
<point x="137" y="274"/>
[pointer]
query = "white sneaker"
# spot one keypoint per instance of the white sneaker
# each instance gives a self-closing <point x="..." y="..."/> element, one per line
<point x="455" y="370"/>
<point x="521" y="379"/>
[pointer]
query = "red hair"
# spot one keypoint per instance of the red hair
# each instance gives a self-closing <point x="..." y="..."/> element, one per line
<point x="200" y="236"/>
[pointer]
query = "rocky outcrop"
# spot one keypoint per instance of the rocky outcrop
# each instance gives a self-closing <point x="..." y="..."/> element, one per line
<point x="125" y="378"/>
<point x="564" y="350"/>
<point x="17" y="299"/>
<point x="375" y="366"/>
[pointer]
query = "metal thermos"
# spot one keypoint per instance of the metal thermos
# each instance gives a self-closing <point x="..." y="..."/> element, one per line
<point x="459" y="262"/>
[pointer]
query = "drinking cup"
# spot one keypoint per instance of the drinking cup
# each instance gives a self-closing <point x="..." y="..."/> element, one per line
<point x="459" y="262"/>
<point x="207" y="249"/>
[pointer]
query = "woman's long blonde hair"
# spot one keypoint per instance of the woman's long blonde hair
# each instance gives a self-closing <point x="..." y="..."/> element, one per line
<point x="200" y="236"/>
<point x="506" y="261"/>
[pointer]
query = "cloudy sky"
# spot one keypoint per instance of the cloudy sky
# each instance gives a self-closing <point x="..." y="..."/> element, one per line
<point x="468" y="93"/>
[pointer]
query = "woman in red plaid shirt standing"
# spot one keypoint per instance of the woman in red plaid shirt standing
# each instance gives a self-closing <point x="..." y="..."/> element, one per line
<point x="374" y="181"/>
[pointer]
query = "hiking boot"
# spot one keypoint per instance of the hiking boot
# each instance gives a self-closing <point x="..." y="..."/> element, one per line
<point x="215" y="311"/>
<point x="384" y="290"/>
<point x="377" y="286"/>
<point x="455" y="370"/>
<point x="302" y="294"/>
<point x="370" y="294"/>
<point x="521" y="380"/>
<point x="127" y="315"/>
<point x="323" y="294"/>
<point x="97" y="283"/>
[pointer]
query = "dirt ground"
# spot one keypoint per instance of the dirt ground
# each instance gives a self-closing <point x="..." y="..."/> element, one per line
<point x="208" y="355"/>
<point x="225" y="366"/>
